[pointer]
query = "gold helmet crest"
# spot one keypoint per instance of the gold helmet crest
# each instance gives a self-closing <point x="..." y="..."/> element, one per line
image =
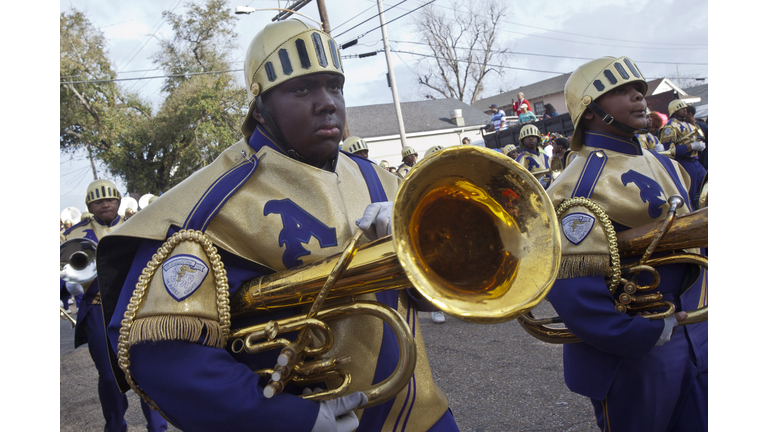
<point x="594" y="79"/>
<point x="282" y="51"/>
<point x="101" y="189"/>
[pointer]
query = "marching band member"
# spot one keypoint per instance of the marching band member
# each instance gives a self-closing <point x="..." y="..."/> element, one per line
<point x="640" y="374"/>
<point x="409" y="160"/>
<point x="103" y="201"/>
<point x="684" y="144"/>
<point x="532" y="157"/>
<point x="281" y="197"/>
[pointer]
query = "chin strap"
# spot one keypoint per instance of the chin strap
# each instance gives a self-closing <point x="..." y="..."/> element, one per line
<point x="608" y="119"/>
<point x="278" y="135"/>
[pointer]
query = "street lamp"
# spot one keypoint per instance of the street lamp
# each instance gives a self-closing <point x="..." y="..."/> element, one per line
<point x="244" y="10"/>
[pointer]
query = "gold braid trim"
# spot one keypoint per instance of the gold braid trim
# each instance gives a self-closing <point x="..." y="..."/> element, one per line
<point x="572" y="266"/>
<point x="586" y="263"/>
<point x="216" y="338"/>
<point x="176" y="327"/>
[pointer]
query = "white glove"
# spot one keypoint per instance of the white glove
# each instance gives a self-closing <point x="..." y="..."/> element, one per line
<point x="375" y="222"/>
<point x="698" y="145"/>
<point x="336" y="415"/>
<point x="74" y="289"/>
<point x="659" y="147"/>
<point x="670" y="323"/>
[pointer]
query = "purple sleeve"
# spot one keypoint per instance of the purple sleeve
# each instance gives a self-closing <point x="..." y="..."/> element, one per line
<point x="204" y="389"/>
<point x="201" y="388"/>
<point x="587" y="309"/>
<point x="681" y="150"/>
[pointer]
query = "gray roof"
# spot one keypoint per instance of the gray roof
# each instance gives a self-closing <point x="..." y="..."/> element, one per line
<point x="421" y="116"/>
<point x="701" y="91"/>
<point x="539" y="89"/>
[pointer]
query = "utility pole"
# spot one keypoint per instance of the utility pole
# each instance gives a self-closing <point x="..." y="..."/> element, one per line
<point x="391" y="75"/>
<point x="323" y="16"/>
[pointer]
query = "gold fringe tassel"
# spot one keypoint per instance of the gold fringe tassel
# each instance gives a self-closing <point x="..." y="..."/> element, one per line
<point x="572" y="266"/>
<point x="176" y="327"/>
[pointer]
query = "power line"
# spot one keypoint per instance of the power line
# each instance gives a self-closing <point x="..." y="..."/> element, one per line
<point x="576" y="34"/>
<point x="373" y="6"/>
<point x="557" y="56"/>
<point x="347" y="31"/>
<point x="152" y="77"/>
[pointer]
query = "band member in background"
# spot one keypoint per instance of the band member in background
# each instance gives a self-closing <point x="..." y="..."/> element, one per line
<point x="683" y="142"/>
<point x="640" y="374"/>
<point x="531" y="156"/>
<point x="281" y="197"/>
<point x="103" y="201"/>
<point x="409" y="160"/>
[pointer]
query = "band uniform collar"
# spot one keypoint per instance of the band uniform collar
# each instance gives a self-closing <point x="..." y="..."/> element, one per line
<point x="613" y="143"/>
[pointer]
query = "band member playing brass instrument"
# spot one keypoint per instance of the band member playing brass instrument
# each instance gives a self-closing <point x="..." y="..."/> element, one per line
<point x="281" y="197"/>
<point x="641" y="370"/>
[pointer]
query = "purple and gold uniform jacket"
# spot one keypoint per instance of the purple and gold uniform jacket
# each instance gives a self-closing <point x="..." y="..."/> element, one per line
<point x="535" y="161"/>
<point x="670" y="135"/>
<point x="92" y="229"/>
<point x="632" y="186"/>
<point x="264" y="212"/>
<point x="648" y="141"/>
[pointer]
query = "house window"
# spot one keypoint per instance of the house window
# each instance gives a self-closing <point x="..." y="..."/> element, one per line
<point x="538" y="108"/>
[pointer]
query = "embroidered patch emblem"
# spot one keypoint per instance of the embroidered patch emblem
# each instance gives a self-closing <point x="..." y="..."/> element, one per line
<point x="667" y="131"/>
<point x="183" y="275"/>
<point x="576" y="226"/>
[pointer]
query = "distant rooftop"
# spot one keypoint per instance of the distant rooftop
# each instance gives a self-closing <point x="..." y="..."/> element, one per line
<point x="539" y="89"/>
<point x="421" y="116"/>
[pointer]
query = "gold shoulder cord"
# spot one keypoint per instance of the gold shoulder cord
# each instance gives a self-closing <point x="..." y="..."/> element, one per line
<point x="222" y="297"/>
<point x="610" y="233"/>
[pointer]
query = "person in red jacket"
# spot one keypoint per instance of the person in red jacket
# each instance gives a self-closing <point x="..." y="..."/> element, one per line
<point x="517" y="107"/>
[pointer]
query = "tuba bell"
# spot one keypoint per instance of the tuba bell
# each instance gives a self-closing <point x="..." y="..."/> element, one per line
<point x="77" y="259"/>
<point x="671" y="234"/>
<point x="472" y="231"/>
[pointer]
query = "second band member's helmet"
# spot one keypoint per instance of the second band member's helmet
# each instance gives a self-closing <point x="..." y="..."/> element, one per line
<point x="282" y="51"/>
<point x="529" y="130"/>
<point x="354" y="144"/>
<point x="407" y="151"/>
<point x="592" y="80"/>
<point x="101" y="189"/>
<point x="676" y="105"/>
<point x="433" y="149"/>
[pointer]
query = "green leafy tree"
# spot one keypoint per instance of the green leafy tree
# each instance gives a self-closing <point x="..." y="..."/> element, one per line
<point x="93" y="113"/>
<point x="199" y="118"/>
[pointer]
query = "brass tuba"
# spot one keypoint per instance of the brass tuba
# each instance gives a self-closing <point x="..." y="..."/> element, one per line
<point x="472" y="231"/>
<point x="671" y="234"/>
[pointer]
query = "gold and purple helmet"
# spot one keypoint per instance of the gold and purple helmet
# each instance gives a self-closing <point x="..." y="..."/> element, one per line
<point x="433" y="149"/>
<point x="592" y="80"/>
<point x="676" y="105"/>
<point x="101" y="189"/>
<point x="354" y="144"/>
<point x="529" y="130"/>
<point x="282" y="51"/>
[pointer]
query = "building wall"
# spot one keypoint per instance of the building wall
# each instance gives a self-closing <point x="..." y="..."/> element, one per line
<point x="389" y="147"/>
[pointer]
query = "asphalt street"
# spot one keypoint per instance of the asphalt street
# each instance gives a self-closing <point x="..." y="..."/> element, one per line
<point x="496" y="378"/>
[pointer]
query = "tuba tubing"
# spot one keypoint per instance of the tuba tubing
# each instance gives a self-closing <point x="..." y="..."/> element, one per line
<point x="687" y="231"/>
